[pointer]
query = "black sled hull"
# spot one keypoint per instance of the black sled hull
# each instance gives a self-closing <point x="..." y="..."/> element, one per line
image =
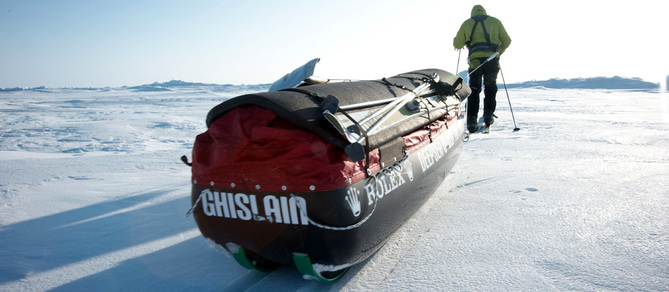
<point x="399" y="191"/>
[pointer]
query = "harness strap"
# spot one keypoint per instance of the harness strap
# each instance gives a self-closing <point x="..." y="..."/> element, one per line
<point x="487" y="45"/>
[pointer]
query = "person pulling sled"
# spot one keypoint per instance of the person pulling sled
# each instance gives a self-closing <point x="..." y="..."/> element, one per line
<point x="486" y="39"/>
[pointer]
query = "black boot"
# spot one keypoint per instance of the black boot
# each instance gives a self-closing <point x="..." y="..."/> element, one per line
<point x="488" y="119"/>
<point x="472" y="123"/>
<point x="472" y="127"/>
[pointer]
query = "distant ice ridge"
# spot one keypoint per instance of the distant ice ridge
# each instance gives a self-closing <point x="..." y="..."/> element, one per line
<point x="156" y="86"/>
<point x="174" y="84"/>
<point x="615" y="82"/>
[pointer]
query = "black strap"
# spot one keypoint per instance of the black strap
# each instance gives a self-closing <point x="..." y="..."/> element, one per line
<point x="416" y="78"/>
<point x="395" y="84"/>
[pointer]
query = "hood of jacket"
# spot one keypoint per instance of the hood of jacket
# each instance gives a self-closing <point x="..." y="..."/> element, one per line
<point x="478" y="10"/>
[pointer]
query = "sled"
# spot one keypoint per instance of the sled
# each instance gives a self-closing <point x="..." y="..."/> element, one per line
<point x="320" y="175"/>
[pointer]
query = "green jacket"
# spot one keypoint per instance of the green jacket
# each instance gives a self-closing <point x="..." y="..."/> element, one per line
<point x="495" y="29"/>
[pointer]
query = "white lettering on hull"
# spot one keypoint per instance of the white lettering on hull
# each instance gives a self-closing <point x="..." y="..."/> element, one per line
<point x="391" y="178"/>
<point x="245" y="207"/>
<point x="387" y="181"/>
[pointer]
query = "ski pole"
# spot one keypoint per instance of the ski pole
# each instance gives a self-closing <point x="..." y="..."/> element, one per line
<point x="458" y="67"/>
<point x="509" y="99"/>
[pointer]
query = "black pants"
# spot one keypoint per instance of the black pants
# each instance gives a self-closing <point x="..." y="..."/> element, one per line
<point x="487" y="72"/>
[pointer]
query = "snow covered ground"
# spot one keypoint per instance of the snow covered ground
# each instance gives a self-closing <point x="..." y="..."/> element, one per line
<point x="93" y="197"/>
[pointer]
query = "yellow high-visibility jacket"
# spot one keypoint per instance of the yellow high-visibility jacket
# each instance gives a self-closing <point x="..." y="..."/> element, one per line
<point x="475" y="38"/>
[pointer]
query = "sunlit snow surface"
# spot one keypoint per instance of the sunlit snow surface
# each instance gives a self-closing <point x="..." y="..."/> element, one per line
<point x="93" y="197"/>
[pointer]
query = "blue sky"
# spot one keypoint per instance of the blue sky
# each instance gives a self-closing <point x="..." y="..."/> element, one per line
<point x="70" y="43"/>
